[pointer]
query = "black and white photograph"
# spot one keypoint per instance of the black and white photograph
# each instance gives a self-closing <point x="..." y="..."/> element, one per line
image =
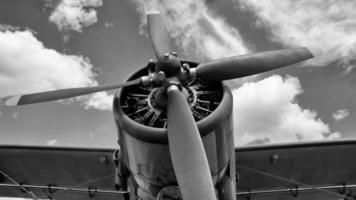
<point x="177" y="100"/>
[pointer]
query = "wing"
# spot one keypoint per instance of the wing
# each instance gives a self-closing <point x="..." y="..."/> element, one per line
<point x="312" y="171"/>
<point x="58" y="173"/>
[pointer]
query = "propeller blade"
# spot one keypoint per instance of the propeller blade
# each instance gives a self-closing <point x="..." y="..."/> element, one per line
<point x="159" y="35"/>
<point x="187" y="151"/>
<point x="250" y="64"/>
<point x="17" y="100"/>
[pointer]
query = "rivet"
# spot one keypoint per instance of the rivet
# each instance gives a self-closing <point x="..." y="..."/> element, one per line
<point x="103" y="160"/>
<point x="274" y="158"/>
<point x="161" y="76"/>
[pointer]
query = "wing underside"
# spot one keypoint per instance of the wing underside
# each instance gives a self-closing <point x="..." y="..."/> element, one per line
<point x="310" y="171"/>
<point x="58" y="173"/>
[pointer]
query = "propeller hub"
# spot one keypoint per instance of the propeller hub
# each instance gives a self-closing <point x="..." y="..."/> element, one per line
<point x="169" y="64"/>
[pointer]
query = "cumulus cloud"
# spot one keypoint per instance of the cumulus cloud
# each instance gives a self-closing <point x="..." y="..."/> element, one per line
<point x="341" y="114"/>
<point x="200" y="33"/>
<point x="52" y="142"/>
<point x="27" y="66"/>
<point x="325" y="27"/>
<point x="6" y="27"/>
<point x="74" y="15"/>
<point x="267" y="112"/>
<point x="99" y="100"/>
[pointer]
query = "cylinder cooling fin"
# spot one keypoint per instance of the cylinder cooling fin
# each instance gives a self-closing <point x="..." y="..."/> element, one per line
<point x="141" y="105"/>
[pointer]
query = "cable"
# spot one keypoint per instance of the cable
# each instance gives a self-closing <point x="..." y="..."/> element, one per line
<point x="84" y="183"/>
<point x="19" y="185"/>
<point x="289" y="180"/>
<point x="54" y="193"/>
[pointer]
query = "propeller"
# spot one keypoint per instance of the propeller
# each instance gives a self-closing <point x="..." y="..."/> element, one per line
<point x="187" y="151"/>
<point x="17" y="100"/>
<point x="159" y="35"/>
<point x="250" y="64"/>
<point x="186" y="147"/>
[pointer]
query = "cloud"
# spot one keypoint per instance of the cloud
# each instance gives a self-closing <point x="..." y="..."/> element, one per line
<point x="99" y="100"/>
<point x="341" y="114"/>
<point x="267" y="112"/>
<point x="6" y="27"/>
<point x="325" y="27"/>
<point x="52" y="142"/>
<point x="27" y="66"/>
<point x="202" y="34"/>
<point x="74" y="15"/>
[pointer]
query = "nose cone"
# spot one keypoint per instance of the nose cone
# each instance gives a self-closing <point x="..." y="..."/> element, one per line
<point x="169" y="64"/>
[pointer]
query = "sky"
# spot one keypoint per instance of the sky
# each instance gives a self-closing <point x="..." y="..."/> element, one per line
<point x="55" y="44"/>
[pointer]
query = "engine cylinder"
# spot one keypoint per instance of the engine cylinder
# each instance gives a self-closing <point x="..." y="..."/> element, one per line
<point x="144" y="141"/>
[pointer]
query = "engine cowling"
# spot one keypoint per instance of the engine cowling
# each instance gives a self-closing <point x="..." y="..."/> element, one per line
<point x="141" y="122"/>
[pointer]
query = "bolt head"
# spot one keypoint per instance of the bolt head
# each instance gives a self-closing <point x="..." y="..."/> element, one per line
<point x="161" y="76"/>
<point x="104" y="160"/>
<point x="274" y="157"/>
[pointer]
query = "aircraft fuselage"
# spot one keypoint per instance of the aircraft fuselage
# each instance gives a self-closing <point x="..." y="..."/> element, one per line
<point x="145" y="152"/>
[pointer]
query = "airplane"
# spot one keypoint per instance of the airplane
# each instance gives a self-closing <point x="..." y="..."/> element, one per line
<point x="175" y="136"/>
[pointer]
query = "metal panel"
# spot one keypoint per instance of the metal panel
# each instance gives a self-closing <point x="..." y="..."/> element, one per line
<point x="62" y="167"/>
<point x="303" y="165"/>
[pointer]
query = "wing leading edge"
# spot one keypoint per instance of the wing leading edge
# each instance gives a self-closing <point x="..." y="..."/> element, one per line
<point x="312" y="171"/>
<point x="60" y="173"/>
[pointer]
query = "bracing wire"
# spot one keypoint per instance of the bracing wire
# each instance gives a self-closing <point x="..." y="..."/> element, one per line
<point x="20" y="186"/>
<point x="80" y="184"/>
<point x="25" y="190"/>
<point x="291" y="181"/>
